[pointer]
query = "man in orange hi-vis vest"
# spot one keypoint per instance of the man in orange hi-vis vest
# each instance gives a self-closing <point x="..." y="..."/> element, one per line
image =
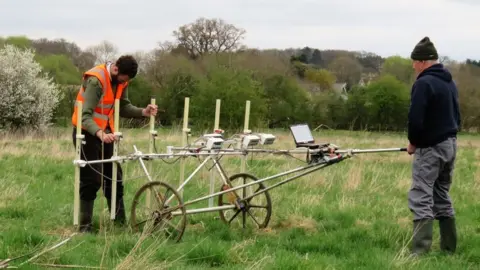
<point x="101" y="86"/>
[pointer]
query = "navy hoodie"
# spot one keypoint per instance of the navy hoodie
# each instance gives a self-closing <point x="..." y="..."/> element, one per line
<point x="434" y="113"/>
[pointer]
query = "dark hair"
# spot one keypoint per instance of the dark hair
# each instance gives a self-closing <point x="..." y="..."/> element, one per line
<point x="127" y="65"/>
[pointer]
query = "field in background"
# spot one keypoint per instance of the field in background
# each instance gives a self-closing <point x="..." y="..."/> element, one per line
<point x="352" y="215"/>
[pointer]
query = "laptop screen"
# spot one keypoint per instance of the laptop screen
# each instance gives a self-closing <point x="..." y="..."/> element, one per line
<point x="302" y="133"/>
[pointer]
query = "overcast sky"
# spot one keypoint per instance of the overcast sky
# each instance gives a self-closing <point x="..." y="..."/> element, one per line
<point x="386" y="27"/>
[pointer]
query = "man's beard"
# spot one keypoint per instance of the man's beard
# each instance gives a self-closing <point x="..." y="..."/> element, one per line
<point x="114" y="79"/>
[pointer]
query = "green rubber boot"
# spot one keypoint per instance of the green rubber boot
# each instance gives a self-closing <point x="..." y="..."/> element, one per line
<point x="120" y="217"/>
<point x="422" y="236"/>
<point x="86" y="213"/>
<point x="448" y="234"/>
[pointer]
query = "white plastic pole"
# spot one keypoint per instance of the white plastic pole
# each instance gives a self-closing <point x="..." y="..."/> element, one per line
<point x="79" y="137"/>
<point x="153" y="134"/>
<point x="245" y="131"/>
<point x="117" y="134"/>
<point x="212" y="172"/>
<point x="217" y="115"/>
<point x="247" y="117"/>
<point x="185" y="131"/>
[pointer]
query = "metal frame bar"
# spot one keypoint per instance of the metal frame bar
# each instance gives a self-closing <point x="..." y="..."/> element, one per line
<point x="212" y="156"/>
<point x="327" y="161"/>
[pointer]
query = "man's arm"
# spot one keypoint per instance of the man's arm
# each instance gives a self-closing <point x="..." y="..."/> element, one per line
<point x="420" y="96"/>
<point x="92" y="95"/>
<point x="457" y="109"/>
<point x="127" y="109"/>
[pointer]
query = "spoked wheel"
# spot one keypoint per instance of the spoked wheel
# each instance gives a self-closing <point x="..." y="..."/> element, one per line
<point x="165" y="216"/>
<point x="255" y="211"/>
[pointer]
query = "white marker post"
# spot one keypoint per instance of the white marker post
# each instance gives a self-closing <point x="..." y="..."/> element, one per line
<point x="185" y="131"/>
<point x="245" y="132"/>
<point x="212" y="171"/>
<point x="153" y="135"/>
<point x="118" y="135"/>
<point x="79" y="141"/>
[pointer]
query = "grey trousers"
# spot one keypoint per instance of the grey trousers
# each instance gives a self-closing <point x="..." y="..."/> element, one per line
<point x="432" y="172"/>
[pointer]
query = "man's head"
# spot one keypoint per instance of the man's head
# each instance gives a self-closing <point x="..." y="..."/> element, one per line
<point x="424" y="55"/>
<point x="125" y="69"/>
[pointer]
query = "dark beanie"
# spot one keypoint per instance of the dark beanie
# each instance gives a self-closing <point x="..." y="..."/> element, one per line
<point x="424" y="50"/>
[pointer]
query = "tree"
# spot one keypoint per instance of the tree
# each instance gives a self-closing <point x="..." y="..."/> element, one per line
<point x="302" y="58"/>
<point x="60" y="68"/>
<point x="142" y="58"/>
<point x="209" y="36"/>
<point x="286" y="101"/>
<point x="307" y="52"/>
<point x="473" y="62"/>
<point x="27" y="98"/>
<point x="346" y="69"/>
<point x="103" y="52"/>
<point x="387" y="100"/>
<point x="82" y="60"/>
<point x="316" y="59"/>
<point x="233" y="86"/>
<point x="324" y="78"/>
<point x="467" y="79"/>
<point x="400" y="68"/>
<point x="371" y="62"/>
<point x="68" y="78"/>
<point x="19" y="41"/>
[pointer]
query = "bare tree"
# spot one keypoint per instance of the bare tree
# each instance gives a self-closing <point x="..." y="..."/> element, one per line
<point x="103" y="52"/>
<point x="346" y="69"/>
<point x="142" y="58"/>
<point x="209" y="36"/>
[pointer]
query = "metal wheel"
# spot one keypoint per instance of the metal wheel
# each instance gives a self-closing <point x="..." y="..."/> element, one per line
<point x="256" y="210"/>
<point x="162" y="216"/>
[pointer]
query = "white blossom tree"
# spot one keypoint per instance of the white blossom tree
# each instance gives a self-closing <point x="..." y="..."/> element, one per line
<point x="28" y="97"/>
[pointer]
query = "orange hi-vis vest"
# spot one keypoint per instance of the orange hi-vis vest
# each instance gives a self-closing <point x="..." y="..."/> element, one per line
<point x="103" y="112"/>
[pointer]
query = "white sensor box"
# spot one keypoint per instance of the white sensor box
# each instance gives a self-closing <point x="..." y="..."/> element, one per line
<point x="214" y="143"/>
<point x="250" y="140"/>
<point x="267" y="138"/>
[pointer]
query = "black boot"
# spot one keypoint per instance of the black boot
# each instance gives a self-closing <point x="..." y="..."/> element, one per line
<point x="448" y="234"/>
<point x="120" y="217"/>
<point x="422" y="236"/>
<point x="86" y="213"/>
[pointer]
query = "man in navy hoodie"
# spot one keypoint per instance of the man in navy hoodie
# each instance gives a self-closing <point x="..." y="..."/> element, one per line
<point x="433" y="123"/>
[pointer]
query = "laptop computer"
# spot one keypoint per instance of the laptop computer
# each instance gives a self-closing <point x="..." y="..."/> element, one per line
<point x="303" y="136"/>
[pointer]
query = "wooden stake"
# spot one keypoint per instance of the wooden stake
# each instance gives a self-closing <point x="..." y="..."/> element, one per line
<point x="153" y="134"/>
<point x="212" y="171"/>
<point x="185" y="132"/>
<point x="245" y="131"/>
<point x="79" y="141"/>
<point x="118" y="134"/>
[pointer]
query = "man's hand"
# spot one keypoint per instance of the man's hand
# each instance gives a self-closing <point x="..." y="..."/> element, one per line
<point x="105" y="137"/>
<point x="411" y="149"/>
<point x="150" y="110"/>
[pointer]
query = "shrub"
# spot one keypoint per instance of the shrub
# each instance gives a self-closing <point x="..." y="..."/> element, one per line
<point x="27" y="98"/>
<point x="387" y="101"/>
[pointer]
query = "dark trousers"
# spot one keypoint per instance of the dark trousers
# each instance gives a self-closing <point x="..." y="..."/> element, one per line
<point x="90" y="179"/>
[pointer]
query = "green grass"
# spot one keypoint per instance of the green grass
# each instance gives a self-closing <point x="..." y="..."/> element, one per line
<point x="352" y="215"/>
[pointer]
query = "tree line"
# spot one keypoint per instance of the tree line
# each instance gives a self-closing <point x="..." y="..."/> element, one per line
<point x="207" y="60"/>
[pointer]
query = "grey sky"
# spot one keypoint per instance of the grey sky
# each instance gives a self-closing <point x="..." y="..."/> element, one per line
<point x="386" y="27"/>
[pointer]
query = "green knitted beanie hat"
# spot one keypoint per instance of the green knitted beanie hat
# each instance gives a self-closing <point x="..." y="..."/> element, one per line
<point x="424" y="50"/>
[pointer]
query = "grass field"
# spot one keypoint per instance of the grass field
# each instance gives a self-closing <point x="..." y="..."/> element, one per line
<point x="352" y="215"/>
